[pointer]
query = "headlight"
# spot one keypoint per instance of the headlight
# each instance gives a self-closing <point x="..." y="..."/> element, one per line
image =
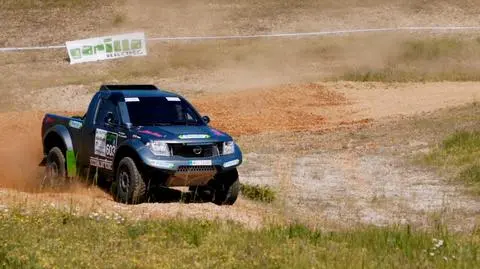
<point x="159" y="148"/>
<point x="228" y="147"/>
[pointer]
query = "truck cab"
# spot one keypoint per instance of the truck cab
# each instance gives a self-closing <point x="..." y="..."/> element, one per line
<point x="138" y="136"/>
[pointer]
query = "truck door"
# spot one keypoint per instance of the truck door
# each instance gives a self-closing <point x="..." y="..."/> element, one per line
<point x="103" y="136"/>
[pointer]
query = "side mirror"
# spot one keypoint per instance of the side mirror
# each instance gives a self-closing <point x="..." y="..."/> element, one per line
<point x="206" y="119"/>
<point x="109" y="118"/>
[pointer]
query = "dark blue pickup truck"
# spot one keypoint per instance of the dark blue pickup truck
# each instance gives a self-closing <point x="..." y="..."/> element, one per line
<point x="137" y="136"/>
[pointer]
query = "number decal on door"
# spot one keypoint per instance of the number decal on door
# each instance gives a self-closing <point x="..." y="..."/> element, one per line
<point x="105" y="143"/>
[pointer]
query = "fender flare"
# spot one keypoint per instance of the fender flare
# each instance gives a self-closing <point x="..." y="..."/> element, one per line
<point x="66" y="138"/>
<point x="132" y="145"/>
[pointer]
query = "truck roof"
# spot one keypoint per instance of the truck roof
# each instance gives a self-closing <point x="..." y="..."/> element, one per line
<point x="136" y="91"/>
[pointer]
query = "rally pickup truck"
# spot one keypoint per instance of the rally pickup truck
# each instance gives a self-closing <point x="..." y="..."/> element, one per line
<point x="138" y="136"/>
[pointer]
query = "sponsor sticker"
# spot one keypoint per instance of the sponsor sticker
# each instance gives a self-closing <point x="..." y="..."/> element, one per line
<point x="173" y="99"/>
<point x="159" y="135"/>
<point x="200" y="162"/>
<point x="194" y="136"/>
<point x="132" y="99"/>
<point x="217" y="132"/>
<point x="75" y="124"/>
<point x="101" y="163"/>
<point x="105" y="143"/>
<point x="100" y="142"/>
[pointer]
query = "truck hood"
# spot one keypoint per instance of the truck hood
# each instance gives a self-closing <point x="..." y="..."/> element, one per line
<point x="182" y="132"/>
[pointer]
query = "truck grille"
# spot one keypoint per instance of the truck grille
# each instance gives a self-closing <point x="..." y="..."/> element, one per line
<point x="195" y="151"/>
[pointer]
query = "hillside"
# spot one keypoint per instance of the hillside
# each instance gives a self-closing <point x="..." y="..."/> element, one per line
<point x="349" y="135"/>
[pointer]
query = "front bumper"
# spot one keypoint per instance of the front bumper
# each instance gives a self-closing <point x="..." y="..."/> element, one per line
<point x="182" y="171"/>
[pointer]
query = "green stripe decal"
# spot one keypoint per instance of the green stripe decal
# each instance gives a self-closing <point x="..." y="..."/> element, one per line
<point x="71" y="164"/>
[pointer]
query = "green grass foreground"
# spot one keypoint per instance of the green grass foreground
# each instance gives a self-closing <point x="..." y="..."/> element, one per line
<point x="53" y="239"/>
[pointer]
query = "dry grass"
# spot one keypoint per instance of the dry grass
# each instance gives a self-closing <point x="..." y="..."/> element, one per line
<point x="254" y="63"/>
<point x="451" y="58"/>
<point x="243" y="63"/>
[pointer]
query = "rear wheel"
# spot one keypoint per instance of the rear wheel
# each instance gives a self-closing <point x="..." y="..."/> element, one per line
<point x="226" y="187"/>
<point x="55" y="169"/>
<point x="129" y="186"/>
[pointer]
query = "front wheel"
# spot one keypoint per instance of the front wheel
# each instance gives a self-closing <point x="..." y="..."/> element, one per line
<point x="129" y="186"/>
<point x="226" y="187"/>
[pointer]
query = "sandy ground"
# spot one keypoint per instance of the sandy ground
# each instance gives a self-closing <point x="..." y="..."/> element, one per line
<point x="379" y="100"/>
<point x="363" y="181"/>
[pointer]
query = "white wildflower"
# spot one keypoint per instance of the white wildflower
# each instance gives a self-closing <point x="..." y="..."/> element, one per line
<point x="439" y="243"/>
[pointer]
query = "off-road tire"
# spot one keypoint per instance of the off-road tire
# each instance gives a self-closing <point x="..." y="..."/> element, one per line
<point x="226" y="188"/>
<point x="129" y="186"/>
<point x="55" y="169"/>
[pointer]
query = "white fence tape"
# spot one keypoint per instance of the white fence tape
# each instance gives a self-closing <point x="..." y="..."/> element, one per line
<point x="32" y="48"/>
<point x="336" y="32"/>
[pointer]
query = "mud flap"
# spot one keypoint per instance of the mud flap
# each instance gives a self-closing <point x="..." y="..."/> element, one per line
<point x="71" y="164"/>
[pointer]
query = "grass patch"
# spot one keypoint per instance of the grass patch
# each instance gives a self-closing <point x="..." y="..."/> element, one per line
<point x="451" y="58"/>
<point x="459" y="149"/>
<point x="471" y="175"/>
<point x="431" y="49"/>
<point x="258" y="193"/>
<point x="396" y="74"/>
<point x="460" y="152"/>
<point x="62" y="240"/>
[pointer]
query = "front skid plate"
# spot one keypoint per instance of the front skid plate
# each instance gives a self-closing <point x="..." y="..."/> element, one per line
<point x="192" y="176"/>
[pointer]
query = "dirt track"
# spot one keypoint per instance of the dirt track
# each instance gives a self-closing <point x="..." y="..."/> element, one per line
<point x="336" y="152"/>
<point x="362" y="182"/>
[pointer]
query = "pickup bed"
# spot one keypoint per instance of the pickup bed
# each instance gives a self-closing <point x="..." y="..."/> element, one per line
<point x="136" y="137"/>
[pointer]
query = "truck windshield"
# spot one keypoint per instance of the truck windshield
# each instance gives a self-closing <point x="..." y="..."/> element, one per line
<point x="153" y="111"/>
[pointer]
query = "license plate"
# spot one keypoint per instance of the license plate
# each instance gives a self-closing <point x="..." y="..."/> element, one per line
<point x="200" y="162"/>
